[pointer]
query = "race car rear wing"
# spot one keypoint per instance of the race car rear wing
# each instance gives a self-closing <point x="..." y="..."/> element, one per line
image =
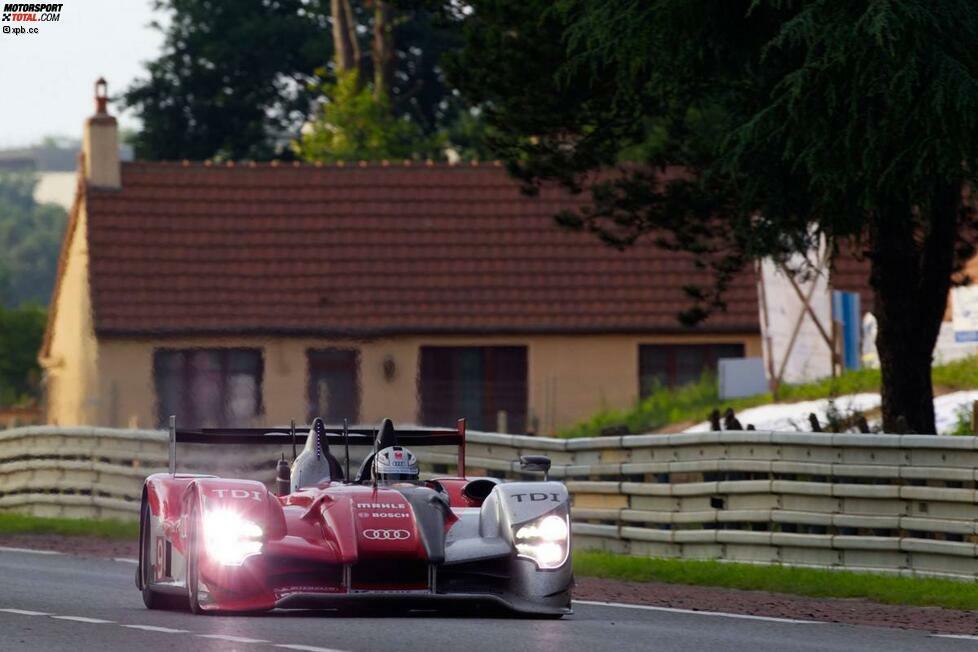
<point x="295" y="435"/>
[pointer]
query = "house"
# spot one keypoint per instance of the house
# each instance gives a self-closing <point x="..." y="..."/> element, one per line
<point x="256" y="293"/>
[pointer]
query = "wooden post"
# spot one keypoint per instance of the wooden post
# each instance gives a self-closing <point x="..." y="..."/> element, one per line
<point x="773" y="381"/>
<point x="502" y="422"/>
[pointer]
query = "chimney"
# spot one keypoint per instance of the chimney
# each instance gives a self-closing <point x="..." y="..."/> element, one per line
<point x="100" y="144"/>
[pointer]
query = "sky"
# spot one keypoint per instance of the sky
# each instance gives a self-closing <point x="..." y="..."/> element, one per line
<point x="47" y="79"/>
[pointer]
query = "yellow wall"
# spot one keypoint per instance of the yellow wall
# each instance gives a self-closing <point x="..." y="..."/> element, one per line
<point x="570" y="377"/>
<point x="70" y="367"/>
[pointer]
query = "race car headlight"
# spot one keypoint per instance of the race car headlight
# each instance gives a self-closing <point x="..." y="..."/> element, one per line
<point x="229" y="538"/>
<point x="544" y="540"/>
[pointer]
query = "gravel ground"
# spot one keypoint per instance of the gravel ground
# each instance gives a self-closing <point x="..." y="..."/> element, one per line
<point x="75" y="545"/>
<point x="700" y="598"/>
<point x="779" y="605"/>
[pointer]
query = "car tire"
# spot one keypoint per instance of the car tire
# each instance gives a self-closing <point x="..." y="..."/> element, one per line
<point x="152" y="599"/>
<point x="193" y="562"/>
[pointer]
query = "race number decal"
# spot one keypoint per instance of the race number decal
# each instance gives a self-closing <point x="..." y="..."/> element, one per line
<point x="160" y="561"/>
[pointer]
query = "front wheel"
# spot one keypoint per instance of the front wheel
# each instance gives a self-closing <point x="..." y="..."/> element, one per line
<point x="151" y="598"/>
<point x="193" y="562"/>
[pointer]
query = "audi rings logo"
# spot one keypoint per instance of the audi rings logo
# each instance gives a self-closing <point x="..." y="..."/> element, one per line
<point x="386" y="535"/>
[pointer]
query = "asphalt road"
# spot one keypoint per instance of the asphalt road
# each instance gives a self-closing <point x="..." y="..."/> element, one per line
<point x="60" y="602"/>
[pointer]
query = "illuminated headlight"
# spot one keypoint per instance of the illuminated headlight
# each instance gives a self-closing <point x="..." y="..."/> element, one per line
<point x="230" y="539"/>
<point x="544" y="541"/>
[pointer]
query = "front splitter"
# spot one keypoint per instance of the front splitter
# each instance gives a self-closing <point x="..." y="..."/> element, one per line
<point x="418" y="601"/>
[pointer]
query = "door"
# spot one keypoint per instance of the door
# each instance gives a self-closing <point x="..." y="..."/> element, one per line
<point x="475" y="382"/>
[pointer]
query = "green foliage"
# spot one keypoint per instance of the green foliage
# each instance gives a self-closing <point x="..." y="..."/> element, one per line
<point x="662" y="407"/>
<point x="850" y="382"/>
<point x="11" y="523"/>
<point x="238" y="80"/>
<point x="356" y="125"/>
<point x="960" y="374"/>
<point x="693" y="402"/>
<point x="468" y="136"/>
<point x="781" y="579"/>
<point x="231" y="78"/>
<point x="30" y="239"/>
<point x="513" y="52"/>
<point x="795" y="119"/>
<point x="21" y="333"/>
<point x="962" y="422"/>
<point x="756" y="128"/>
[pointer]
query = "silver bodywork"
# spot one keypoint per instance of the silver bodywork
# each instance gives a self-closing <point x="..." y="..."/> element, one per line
<point x="487" y="532"/>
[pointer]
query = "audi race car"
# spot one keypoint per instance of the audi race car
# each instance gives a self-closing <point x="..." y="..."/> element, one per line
<point x="328" y="537"/>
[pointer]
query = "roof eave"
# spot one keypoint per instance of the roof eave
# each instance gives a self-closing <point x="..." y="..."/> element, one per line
<point x="45" y="352"/>
<point x="398" y="331"/>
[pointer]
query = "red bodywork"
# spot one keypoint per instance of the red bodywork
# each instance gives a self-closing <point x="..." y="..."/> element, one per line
<point x="333" y="538"/>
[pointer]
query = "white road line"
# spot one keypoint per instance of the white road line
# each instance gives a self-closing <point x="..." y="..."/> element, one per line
<point x="125" y="560"/>
<point x="162" y="630"/>
<point x="25" y="612"/>
<point x="722" y="614"/>
<point x="233" y="639"/>
<point x="964" y="636"/>
<point x="30" y="550"/>
<point x="306" y="648"/>
<point x="83" y="619"/>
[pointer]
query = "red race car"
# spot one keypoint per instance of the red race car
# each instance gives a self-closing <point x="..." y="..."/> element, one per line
<point x="329" y="537"/>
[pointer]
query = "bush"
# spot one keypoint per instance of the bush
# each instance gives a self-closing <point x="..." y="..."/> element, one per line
<point x="962" y="422"/>
<point x="694" y="402"/>
<point x="21" y="332"/>
<point x="662" y="407"/>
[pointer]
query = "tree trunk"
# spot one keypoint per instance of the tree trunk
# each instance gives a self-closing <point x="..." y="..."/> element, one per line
<point x="912" y="260"/>
<point x="345" y="45"/>
<point x="383" y="50"/>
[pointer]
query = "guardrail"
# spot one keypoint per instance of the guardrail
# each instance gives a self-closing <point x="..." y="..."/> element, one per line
<point x="901" y="504"/>
<point x="98" y="472"/>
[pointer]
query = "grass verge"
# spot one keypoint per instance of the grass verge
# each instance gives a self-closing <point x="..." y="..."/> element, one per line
<point x="694" y="402"/>
<point x="922" y="592"/>
<point x="106" y="529"/>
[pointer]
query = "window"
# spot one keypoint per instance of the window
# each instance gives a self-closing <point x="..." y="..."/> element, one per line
<point x="673" y="365"/>
<point x="477" y="383"/>
<point x="334" y="387"/>
<point x="208" y="387"/>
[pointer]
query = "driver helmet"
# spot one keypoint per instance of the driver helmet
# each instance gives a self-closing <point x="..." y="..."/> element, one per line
<point x="396" y="464"/>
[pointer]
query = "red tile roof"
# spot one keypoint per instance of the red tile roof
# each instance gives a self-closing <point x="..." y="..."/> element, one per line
<point x="368" y="251"/>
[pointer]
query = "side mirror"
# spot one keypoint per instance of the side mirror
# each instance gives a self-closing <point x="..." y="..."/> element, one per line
<point x="536" y="463"/>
